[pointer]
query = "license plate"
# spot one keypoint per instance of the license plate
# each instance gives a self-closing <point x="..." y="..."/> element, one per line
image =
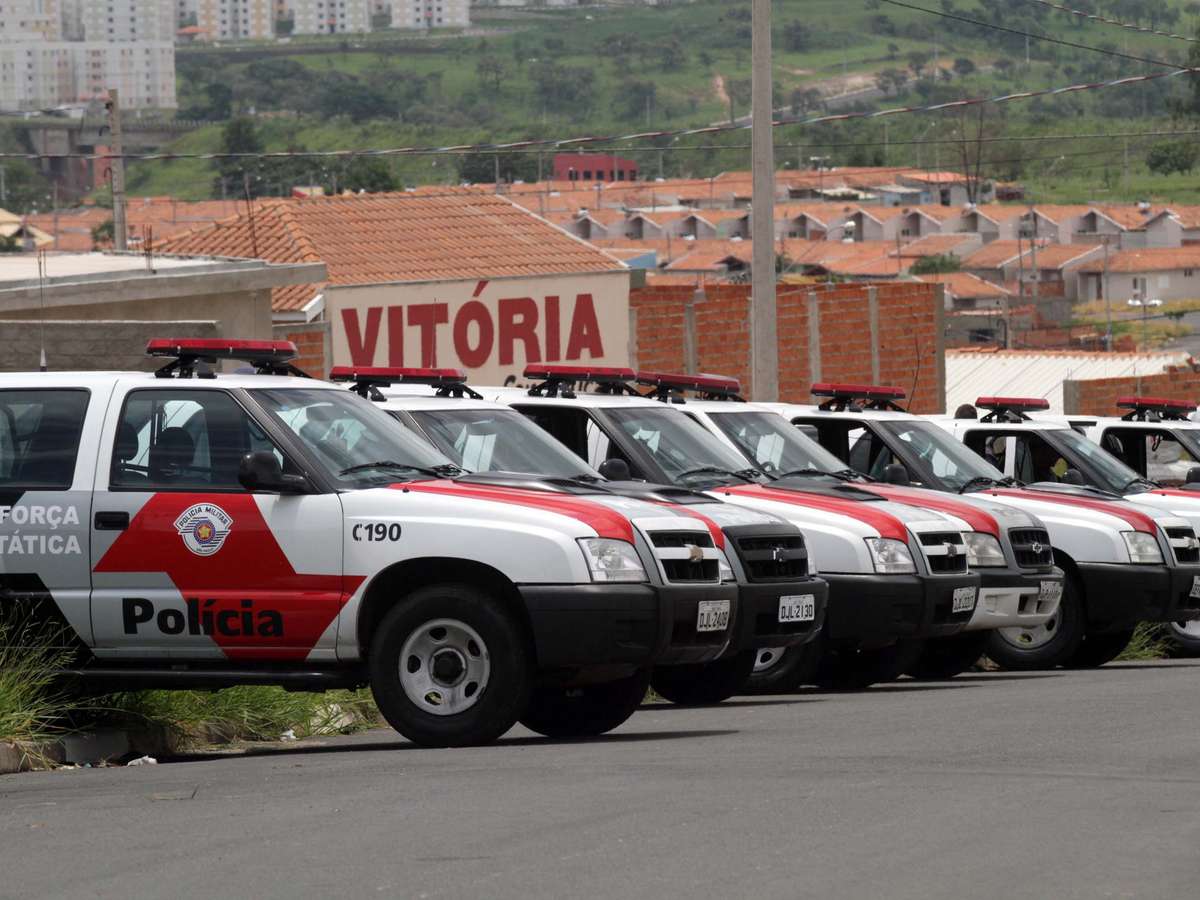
<point x="1052" y="590"/>
<point x="1195" y="586"/>
<point x="798" y="608"/>
<point x="712" y="615"/>
<point x="964" y="600"/>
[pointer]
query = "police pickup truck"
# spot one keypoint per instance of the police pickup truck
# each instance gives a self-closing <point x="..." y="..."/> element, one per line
<point x="193" y="529"/>
<point x="781" y="603"/>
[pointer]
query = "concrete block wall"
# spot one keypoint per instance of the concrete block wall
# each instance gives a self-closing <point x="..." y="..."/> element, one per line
<point x="887" y="333"/>
<point x="1098" y="397"/>
<point x="73" y="345"/>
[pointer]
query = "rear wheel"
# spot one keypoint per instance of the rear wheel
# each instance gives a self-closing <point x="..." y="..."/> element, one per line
<point x="707" y="683"/>
<point x="781" y="670"/>
<point x="585" y="711"/>
<point x="854" y="669"/>
<point x="449" y="667"/>
<point x="1044" y="646"/>
<point x="1098" y="649"/>
<point x="946" y="657"/>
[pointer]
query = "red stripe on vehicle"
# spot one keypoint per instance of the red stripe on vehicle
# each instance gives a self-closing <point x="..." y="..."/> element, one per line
<point x="607" y="523"/>
<point x="250" y="565"/>
<point x="867" y="512"/>
<point x="978" y="519"/>
<point x="1121" y="509"/>
<point x="1174" y="492"/>
<point x="714" y="529"/>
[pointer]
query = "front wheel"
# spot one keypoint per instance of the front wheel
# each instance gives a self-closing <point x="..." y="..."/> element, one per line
<point x="449" y="667"/>
<point x="585" y="711"/>
<point x="1098" y="649"/>
<point x="1045" y="646"/>
<point x="1184" y="638"/>
<point x="855" y="669"/>
<point x="946" y="657"/>
<point x="705" y="683"/>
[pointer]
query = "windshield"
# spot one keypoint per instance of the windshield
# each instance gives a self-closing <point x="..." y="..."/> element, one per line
<point x="1100" y="466"/>
<point x="686" y="452"/>
<point x="499" y="440"/>
<point x="774" y="444"/>
<point x="940" y="459"/>
<point x="350" y="437"/>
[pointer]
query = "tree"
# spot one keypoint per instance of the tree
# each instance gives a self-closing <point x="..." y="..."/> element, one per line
<point x="491" y="72"/>
<point x="706" y="59"/>
<point x="1167" y="157"/>
<point x="635" y="98"/>
<point x="369" y="174"/>
<point x="480" y="168"/>
<point x="964" y="67"/>
<point x="102" y="235"/>
<point x="803" y="100"/>
<point x="891" y="81"/>
<point x="893" y="52"/>
<point x="797" y="37"/>
<point x="739" y="92"/>
<point x="917" y="61"/>
<point x="936" y="265"/>
<point x="671" y="55"/>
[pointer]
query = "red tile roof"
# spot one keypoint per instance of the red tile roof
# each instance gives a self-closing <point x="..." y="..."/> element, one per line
<point x="1149" y="259"/>
<point x="1049" y="256"/>
<point x="965" y="286"/>
<point x="938" y="244"/>
<point x="378" y="238"/>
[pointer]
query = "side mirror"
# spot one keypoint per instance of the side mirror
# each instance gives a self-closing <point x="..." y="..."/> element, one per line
<point x="1072" y="476"/>
<point x="895" y="474"/>
<point x="260" y="471"/>
<point x="1193" y="475"/>
<point x="615" y="469"/>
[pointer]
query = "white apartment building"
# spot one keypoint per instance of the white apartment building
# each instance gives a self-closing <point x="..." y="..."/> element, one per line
<point x="120" y="20"/>
<point x="431" y="13"/>
<point x="42" y="74"/>
<point x="22" y="19"/>
<point x="331" y="16"/>
<point x="236" y="20"/>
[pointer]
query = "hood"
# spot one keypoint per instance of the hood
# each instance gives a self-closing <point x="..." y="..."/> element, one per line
<point x="1123" y="514"/>
<point x="983" y="515"/>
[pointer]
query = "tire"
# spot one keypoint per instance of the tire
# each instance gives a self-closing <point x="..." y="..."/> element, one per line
<point x="1046" y="646"/>
<point x="1184" y="638"/>
<point x="705" y="684"/>
<point x="944" y="658"/>
<point x="586" y="711"/>
<point x="781" y="670"/>
<point x="443" y="646"/>
<point x="855" y="669"/>
<point x="1098" y="649"/>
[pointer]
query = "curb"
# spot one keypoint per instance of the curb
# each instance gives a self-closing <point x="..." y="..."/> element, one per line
<point x="106" y="745"/>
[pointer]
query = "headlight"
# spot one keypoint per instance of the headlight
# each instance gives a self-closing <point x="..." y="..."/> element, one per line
<point x="890" y="557"/>
<point x="611" y="560"/>
<point x="725" y="569"/>
<point x="1143" y="548"/>
<point x="983" y="550"/>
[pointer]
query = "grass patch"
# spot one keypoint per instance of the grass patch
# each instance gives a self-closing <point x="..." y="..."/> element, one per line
<point x="1149" y="641"/>
<point x="31" y="707"/>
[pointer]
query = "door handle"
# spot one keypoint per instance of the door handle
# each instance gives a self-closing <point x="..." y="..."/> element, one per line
<point x="112" y="521"/>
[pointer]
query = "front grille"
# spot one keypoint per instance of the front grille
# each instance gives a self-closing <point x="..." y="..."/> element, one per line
<point x="1031" y="547"/>
<point x="768" y="558"/>
<point x="687" y="557"/>
<point x="1183" y="543"/>
<point x="944" y="551"/>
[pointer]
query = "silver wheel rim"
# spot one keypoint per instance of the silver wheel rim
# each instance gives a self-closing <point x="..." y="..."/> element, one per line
<point x="1188" y="632"/>
<point x="768" y="658"/>
<point x="444" y="667"/>
<point x="1031" y="637"/>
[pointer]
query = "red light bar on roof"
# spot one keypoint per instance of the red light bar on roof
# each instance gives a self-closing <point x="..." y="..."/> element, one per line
<point x="385" y="375"/>
<point x="1016" y="404"/>
<point x="219" y="348"/>
<point x="857" y="391"/>
<point x="706" y="384"/>
<point x="1156" y="404"/>
<point x="596" y="374"/>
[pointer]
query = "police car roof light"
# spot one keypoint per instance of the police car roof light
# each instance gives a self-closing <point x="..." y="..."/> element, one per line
<point x="845" y="397"/>
<point x="710" y="387"/>
<point x="267" y="357"/>
<point x="1156" y="407"/>
<point x="1016" y="404"/>
<point x="366" y="379"/>
<point x="557" y="380"/>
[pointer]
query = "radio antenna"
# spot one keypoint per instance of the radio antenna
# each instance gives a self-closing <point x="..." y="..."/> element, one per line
<point x="41" y="259"/>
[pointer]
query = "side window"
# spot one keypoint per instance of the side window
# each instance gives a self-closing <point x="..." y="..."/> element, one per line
<point x="868" y="454"/>
<point x="1036" y="460"/>
<point x="174" y="440"/>
<point x="1156" y="454"/>
<point x="568" y="426"/>
<point x="993" y="447"/>
<point x="39" y="438"/>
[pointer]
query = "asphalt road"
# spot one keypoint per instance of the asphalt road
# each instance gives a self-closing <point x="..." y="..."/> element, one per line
<point x="1056" y="785"/>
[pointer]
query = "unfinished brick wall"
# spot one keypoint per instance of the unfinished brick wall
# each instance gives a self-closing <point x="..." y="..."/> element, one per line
<point x="313" y="342"/>
<point x="904" y="348"/>
<point x="1098" y="397"/>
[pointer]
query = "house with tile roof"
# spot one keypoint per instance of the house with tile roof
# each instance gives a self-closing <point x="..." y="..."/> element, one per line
<point x="1176" y="226"/>
<point x="1055" y="267"/>
<point x="1161" y="273"/>
<point x="455" y="278"/>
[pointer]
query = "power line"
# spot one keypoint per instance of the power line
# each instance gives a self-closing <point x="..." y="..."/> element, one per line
<point x="1096" y="17"/>
<point x="1029" y="34"/>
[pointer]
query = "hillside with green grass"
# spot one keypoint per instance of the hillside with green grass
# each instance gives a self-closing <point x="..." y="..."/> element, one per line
<point x="610" y="71"/>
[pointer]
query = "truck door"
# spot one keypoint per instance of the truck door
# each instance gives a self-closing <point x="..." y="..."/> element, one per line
<point x="188" y="563"/>
<point x="45" y="501"/>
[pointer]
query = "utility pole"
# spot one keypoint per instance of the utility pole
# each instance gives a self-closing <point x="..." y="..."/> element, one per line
<point x="764" y="345"/>
<point x="1033" y="245"/>
<point x="1107" y="297"/>
<point x="3" y="188"/>
<point x="118" y="170"/>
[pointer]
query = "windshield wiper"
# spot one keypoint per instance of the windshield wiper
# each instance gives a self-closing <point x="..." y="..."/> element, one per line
<point x="446" y="470"/>
<point x="748" y="474"/>
<point x="1150" y="485"/>
<point x="714" y="470"/>
<point x="840" y="474"/>
<point x="979" y="482"/>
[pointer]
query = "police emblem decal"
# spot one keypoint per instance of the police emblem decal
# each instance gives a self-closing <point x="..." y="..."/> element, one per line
<point x="204" y="528"/>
